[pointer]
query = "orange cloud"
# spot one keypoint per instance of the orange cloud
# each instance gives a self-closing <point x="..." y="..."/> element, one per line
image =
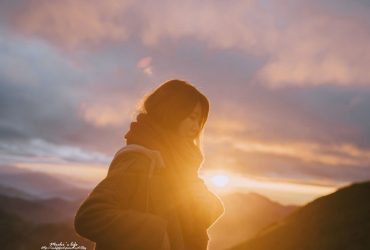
<point x="342" y="154"/>
<point x="286" y="191"/>
<point x="242" y="140"/>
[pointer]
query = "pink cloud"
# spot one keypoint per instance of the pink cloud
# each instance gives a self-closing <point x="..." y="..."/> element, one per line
<point x="145" y="64"/>
<point x="221" y="25"/>
<point x="303" y="43"/>
<point x="74" y="24"/>
<point x="320" y="50"/>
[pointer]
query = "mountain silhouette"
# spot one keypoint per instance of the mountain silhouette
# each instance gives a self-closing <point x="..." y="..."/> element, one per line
<point x="40" y="211"/>
<point x="245" y="214"/>
<point x="14" y="192"/>
<point x="37" y="221"/>
<point x="38" y="185"/>
<point x="339" y="221"/>
<point x="19" y="234"/>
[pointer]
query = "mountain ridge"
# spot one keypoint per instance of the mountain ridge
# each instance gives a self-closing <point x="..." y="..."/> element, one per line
<point x="340" y="220"/>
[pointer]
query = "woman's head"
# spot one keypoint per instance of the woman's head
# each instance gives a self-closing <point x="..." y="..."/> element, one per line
<point x="178" y="106"/>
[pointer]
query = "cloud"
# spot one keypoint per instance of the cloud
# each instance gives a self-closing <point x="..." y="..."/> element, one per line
<point x="219" y="24"/>
<point x="320" y="50"/>
<point x="75" y="99"/>
<point x="145" y="64"/>
<point x="107" y="113"/>
<point x="267" y="164"/>
<point x="76" y="24"/>
<point x="38" y="150"/>
<point x="85" y="99"/>
<point x="281" y="155"/>
<point x="73" y="23"/>
<point x="303" y="44"/>
<point x="331" y="155"/>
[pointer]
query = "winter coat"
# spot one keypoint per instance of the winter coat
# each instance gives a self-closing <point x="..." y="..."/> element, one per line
<point x="132" y="207"/>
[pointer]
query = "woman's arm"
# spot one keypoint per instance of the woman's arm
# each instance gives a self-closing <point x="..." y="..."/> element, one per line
<point x="208" y="207"/>
<point x="106" y="217"/>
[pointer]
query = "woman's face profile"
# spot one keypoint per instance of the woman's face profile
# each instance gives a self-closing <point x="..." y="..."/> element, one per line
<point x="189" y="127"/>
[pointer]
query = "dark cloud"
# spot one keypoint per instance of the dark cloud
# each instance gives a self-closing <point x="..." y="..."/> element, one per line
<point x="8" y="132"/>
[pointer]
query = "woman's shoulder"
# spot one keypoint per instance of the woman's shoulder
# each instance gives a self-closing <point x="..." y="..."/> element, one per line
<point x="136" y="158"/>
<point x="129" y="162"/>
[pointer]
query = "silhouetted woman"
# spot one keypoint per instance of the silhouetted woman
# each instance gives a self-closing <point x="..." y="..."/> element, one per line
<point x="152" y="196"/>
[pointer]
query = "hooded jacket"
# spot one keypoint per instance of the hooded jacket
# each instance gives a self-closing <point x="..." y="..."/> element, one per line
<point x="132" y="207"/>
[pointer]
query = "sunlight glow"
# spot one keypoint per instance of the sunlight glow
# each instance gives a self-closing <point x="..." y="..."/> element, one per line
<point x="285" y="192"/>
<point x="220" y="180"/>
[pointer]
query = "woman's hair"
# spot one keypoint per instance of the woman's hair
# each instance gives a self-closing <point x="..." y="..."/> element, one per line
<point x="172" y="102"/>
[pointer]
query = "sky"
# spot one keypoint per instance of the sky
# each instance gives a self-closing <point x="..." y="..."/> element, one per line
<point x="288" y="84"/>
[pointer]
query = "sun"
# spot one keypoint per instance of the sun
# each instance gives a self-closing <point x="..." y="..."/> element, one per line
<point x="220" y="180"/>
